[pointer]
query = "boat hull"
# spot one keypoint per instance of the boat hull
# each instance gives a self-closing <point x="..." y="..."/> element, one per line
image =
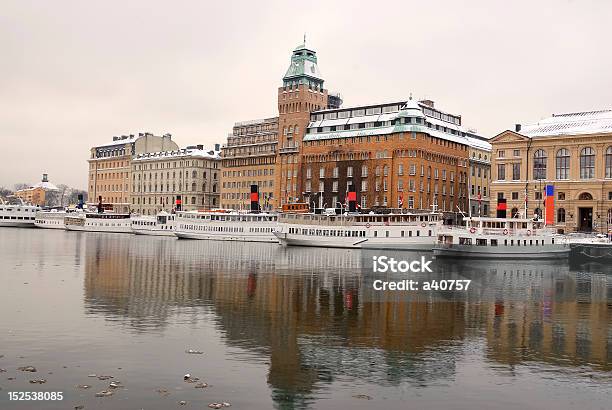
<point x="17" y="224"/>
<point x="414" y="243"/>
<point x="266" y="238"/>
<point x="479" y="252"/>
<point x="153" y="232"/>
<point x="109" y="229"/>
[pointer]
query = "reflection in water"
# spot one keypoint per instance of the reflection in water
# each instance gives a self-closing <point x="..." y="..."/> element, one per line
<point x="313" y="315"/>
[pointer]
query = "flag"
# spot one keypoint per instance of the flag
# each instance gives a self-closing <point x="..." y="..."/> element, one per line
<point x="549" y="204"/>
<point x="401" y="200"/>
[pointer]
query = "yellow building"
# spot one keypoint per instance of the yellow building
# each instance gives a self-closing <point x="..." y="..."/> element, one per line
<point x="249" y="158"/>
<point x="110" y="167"/>
<point x="37" y="194"/>
<point x="480" y="175"/>
<point x="573" y="153"/>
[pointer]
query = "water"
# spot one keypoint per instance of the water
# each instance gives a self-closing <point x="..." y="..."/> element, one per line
<point x="293" y="328"/>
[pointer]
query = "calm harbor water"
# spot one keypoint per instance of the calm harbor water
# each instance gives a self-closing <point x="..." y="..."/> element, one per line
<point x="293" y="328"/>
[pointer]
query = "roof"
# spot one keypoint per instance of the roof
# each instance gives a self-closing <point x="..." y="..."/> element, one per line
<point x="303" y="64"/>
<point x="47" y="186"/>
<point x="588" y="122"/>
<point x="411" y="117"/>
<point x="181" y="153"/>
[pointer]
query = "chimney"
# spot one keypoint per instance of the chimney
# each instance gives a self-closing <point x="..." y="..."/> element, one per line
<point x="254" y="198"/>
<point x="115" y="138"/>
<point x="352" y="198"/>
<point x="217" y="147"/>
<point x="45" y="178"/>
<point x="428" y="103"/>
<point x="517" y="127"/>
<point x="200" y="147"/>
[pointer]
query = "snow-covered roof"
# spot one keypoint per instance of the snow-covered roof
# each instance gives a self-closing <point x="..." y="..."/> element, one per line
<point x="588" y="122"/>
<point x="120" y="141"/>
<point x="184" y="152"/>
<point x="46" y="185"/>
<point x="411" y="117"/>
<point x="480" y="144"/>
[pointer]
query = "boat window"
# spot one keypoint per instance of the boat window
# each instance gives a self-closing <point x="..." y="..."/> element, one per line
<point x="375" y="234"/>
<point x="493" y="242"/>
<point x="481" y="242"/>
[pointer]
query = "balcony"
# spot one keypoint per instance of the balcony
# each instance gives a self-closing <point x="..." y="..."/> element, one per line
<point x="290" y="149"/>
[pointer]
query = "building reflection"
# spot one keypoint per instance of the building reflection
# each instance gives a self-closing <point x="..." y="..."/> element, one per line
<point x="313" y="314"/>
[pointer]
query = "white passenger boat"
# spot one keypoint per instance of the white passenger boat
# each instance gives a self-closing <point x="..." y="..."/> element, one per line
<point x="162" y="224"/>
<point x="501" y="238"/>
<point x="402" y="231"/>
<point x="226" y="226"/>
<point x="51" y="219"/>
<point x="98" y="222"/>
<point x="17" y="214"/>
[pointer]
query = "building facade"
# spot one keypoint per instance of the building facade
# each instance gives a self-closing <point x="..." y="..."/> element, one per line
<point x="37" y="194"/>
<point x="480" y="176"/>
<point x="302" y="92"/>
<point x="573" y="153"/>
<point x="397" y="155"/>
<point x="110" y="167"/>
<point x="190" y="175"/>
<point x="249" y="157"/>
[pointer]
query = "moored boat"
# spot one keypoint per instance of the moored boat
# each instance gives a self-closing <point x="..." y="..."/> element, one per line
<point x="501" y="238"/>
<point x="98" y="222"/>
<point x="18" y="214"/>
<point x="50" y="219"/>
<point x="162" y="224"/>
<point x="226" y="226"/>
<point x="400" y="231"/>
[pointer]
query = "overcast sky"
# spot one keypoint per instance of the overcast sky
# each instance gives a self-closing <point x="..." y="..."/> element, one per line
<point x="75" y="73"/>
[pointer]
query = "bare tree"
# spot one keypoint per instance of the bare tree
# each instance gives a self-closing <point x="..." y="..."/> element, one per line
<point x="21" y="185"/>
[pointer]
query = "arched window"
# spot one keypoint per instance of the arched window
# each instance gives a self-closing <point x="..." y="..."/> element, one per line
<point x="609" y="162"/>
<point x="587" y="163"/>
<point x="193" y="200"/>
<point x="563" y="162"/>
<point x="214" y="188"/>
<point x="377" y="171"/>
<point x="193" y="186"/>
<point x="539" y="164"/>
<point x="296" y="129"/>
<point x="585" y="196"/>
<point x="194" y="174"/>
<point x="537" y="213"/>
<point x="561" y="215"/>
<point x="386" y="170"/>
<point x="204" y="187"/>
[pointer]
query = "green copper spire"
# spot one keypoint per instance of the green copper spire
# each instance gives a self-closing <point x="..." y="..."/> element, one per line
<point x="303" y="68"/>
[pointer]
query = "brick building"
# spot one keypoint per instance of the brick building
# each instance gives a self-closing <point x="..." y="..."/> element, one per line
<point x="397" y="155"/>
<point x="573" y="153"/>
<point x="249" y="157"/>
<point x="302" y="92"/>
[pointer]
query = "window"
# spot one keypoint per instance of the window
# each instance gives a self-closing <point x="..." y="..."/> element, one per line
<point x="516" y="153"/>
<point x="539" y="164"/>
<point x="561" y="196"/>
<point x="501" y="172"/>
<point x="561" y="215"/>
<point x="322" y="172"/>
<point x="364" y="171"/>
<point x="609" y="162"/>
<point x="515" y="195"/>
<point x="563" y="160"/>
<point x="349" y="172"/>
<point x="501" y="153"/>
<point x="516" y="171"/>
<point x="587" y="163"/>
<point x="400" y="169"/>
<point x="538" y="195"/>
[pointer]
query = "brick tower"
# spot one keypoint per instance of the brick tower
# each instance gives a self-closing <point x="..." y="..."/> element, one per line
<point x="302" y="92"/>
